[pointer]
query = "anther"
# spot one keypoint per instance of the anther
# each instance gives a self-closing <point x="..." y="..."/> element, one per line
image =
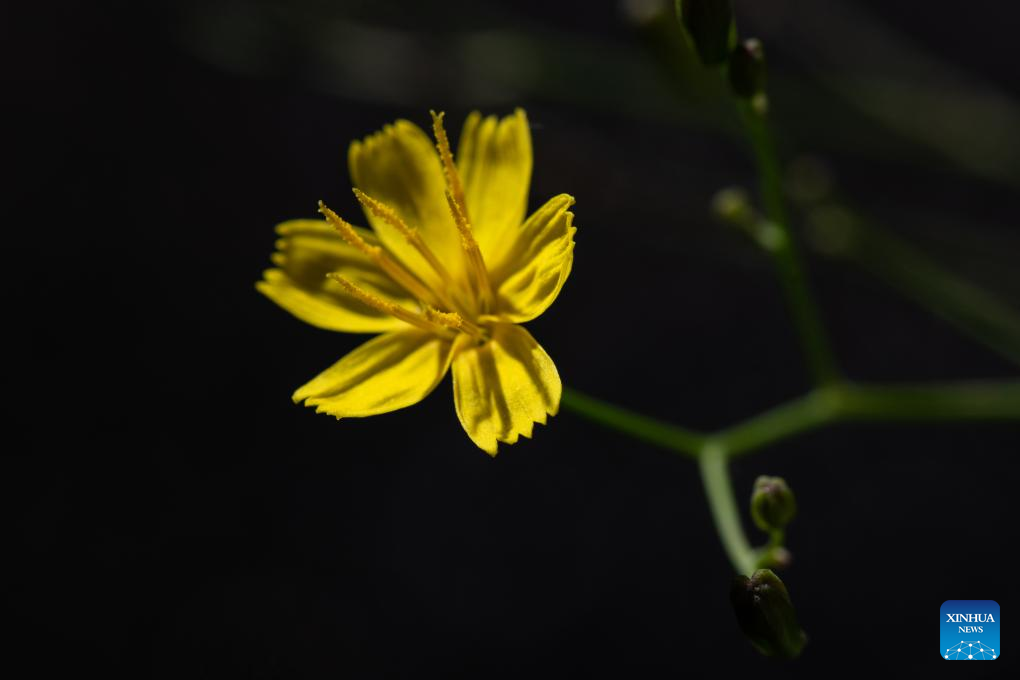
<point x="347" y="231"/>
<point x="387" y="306"/>
<point x="474" y="255"/>
<point x="380" y="257"/>
<point x="390" y="216"/>
<point x="446" y="155"/>
<point x="455" y="321"/>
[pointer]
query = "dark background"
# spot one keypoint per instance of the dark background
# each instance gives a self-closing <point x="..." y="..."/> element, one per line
<point x="172" y="514"/>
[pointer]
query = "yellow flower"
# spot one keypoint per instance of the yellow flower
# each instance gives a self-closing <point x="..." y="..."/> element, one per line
<point x="448" y="271"/>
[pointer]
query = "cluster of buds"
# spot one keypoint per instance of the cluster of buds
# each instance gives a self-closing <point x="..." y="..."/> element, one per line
<point x="761" y="602"/>
<point x="712" y="31"/>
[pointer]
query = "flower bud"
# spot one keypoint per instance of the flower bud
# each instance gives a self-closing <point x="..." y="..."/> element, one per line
<point x="709" y="25"/>
<point x="772" y="503"/>
<point x="733" y="206"/>
<point x="747" y="69"/>
<point x="766" y="614"/>
<point x="776" y="557"/>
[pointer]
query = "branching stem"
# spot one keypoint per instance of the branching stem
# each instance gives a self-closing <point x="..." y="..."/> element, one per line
<point x="836" y="403"/>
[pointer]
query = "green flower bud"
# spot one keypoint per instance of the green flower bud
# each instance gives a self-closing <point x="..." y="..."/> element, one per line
<point x="777" y="557"/>
<point x="747" y="69"/>
<point x="733" y="206"/>
<point x="766" y="614"/>
<point x="709" y="25"/>
<point x="772" y="503"/>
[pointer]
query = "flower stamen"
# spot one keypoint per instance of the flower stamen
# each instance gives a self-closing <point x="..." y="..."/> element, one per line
<point x="391" y="308"/>
<point x="458" y="207"/>
<point x="446" y="156"/>
<point x="476" y="264"/>
<point x="390" y="216"/>
<point x="455" y="321"/>
<point x="391" y="267"/>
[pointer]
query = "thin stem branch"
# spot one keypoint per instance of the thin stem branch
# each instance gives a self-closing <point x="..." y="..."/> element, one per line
<point x="665" y="435"/>
<point x="715" y="476"/>
<point x="845" y="402"/>
<point x="785" y="252"/>
<point x="976" y="400"/>
<point x="814" y="409"/>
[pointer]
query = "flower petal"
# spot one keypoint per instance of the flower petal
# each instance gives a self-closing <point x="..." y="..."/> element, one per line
<point x="494" y="161"/>
<point x="384" y="374"/>
<point x="503" y="387"/>
<point x="400" y="167"/>
<point x="534" y="271"/>
<point x="308" y="250"/>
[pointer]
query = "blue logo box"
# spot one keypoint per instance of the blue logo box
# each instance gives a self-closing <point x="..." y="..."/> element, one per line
<point x="969" y="630"/>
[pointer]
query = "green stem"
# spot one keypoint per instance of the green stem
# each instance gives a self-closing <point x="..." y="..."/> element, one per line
<point x="715" y="476"/>
<point x="976" y="400"/>
<point x="636" y="425"/>
<point x="814" y="409"/>
<point x="785" y="252"/>
<point x="845" y="402"/>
